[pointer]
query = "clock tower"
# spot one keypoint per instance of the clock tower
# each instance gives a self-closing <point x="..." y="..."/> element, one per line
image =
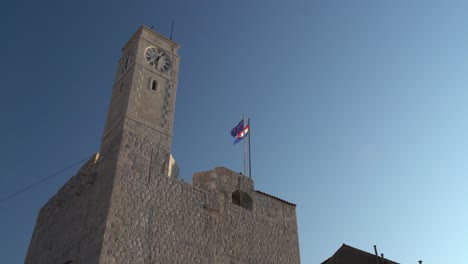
<point x="144" y="89"/>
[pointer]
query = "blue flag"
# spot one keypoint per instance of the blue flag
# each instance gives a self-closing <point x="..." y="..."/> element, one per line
<point x="237" y="129"/>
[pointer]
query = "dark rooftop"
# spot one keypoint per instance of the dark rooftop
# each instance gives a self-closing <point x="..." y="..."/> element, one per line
<point x="274" y="197"/>
<point x="349" y="255"/>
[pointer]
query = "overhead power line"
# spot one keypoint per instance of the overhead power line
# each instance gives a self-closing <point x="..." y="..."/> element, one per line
<point x="41" y="181"/>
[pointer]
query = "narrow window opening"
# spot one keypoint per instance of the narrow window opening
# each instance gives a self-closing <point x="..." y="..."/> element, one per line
<point x="121" y="87"/>
<point x="154" y="85"/>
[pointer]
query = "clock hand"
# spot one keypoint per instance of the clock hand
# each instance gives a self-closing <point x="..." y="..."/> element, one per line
<point x="157" y="58"/>
<point x="161" y="54"/>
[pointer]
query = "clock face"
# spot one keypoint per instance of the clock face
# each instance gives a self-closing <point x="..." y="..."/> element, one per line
<point x="126" y="63"/>
<point x="157" y="58"/>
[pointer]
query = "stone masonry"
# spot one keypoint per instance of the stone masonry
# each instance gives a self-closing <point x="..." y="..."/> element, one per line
<point x="123" y="206"/>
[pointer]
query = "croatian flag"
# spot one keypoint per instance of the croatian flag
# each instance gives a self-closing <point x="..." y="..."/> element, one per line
<point x="241" y="134"/>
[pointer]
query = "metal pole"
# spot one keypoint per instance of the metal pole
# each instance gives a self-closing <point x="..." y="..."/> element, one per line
<point x="376" y="254"/>
<point x="250" y="160"/>
<point x="172" y="29"/>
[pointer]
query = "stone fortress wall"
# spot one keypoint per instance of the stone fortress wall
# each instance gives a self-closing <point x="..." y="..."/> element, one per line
<point x="218" y="219"/>
<point x="72" y="222"/>
<point x="202" y="224"/>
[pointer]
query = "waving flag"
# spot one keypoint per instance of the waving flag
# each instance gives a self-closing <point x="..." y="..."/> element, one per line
<point x="241" y="134"/>
<point x="237" y="129"/>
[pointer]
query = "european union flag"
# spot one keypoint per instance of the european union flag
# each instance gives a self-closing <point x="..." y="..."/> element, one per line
<point x="237" y="129"/>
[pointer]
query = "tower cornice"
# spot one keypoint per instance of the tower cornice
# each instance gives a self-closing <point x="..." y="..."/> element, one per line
<point x="139" y="34"/>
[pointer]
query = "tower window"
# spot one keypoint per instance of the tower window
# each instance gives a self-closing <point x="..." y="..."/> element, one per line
<point x="153" y="85"/>
<point x="242" y="199"/>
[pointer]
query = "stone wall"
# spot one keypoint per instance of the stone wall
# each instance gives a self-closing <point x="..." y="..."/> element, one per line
<point x="157" y="219"/>
<point x="136" y="214"/>
<point x="72" y="223"/>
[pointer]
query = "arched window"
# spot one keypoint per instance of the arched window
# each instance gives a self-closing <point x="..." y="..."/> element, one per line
<point x="242" y="199"/>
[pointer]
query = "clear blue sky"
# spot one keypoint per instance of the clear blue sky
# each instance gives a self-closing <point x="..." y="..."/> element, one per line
<point x="359" y="110"/>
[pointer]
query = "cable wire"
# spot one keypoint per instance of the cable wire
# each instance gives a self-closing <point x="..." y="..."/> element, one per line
<point x="41" y="181"/>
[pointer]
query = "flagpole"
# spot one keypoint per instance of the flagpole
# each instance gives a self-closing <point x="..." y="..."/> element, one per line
<point x="250" y="160"/>
<point x="243" y="118"/>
